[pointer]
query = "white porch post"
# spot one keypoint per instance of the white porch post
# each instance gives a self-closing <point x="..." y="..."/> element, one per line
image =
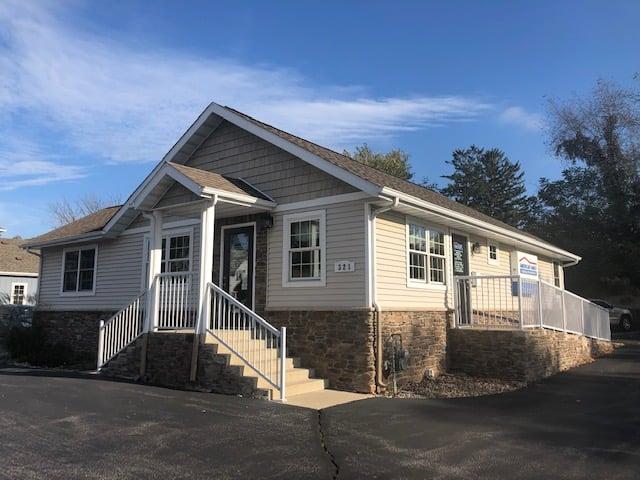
<point x="155" y="259"/>
<point x="206" y="262"/>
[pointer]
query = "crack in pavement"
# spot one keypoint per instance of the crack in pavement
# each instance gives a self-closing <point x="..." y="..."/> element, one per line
<point x="323" y="443"/>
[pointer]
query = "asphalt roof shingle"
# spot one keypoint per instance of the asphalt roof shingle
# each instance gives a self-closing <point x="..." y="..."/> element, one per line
<point x="380" y="178"/>
<point x="215" y="180"/>
<point x="15" y="259"/>
<point x="91" y="223"/>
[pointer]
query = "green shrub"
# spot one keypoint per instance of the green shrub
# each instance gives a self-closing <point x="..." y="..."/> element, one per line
<point x="29" y="344"/>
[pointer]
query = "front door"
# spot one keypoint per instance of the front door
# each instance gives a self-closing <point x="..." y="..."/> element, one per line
<point x="237" y="263"/>
<point x="460" y="257"/>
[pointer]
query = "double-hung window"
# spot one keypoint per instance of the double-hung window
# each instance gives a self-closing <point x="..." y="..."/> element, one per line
<point x="176" y="254"/>
<point x="556" y="274"/>
<point x="426" y="255"/>
<point x="304" y="249"/>
<point x="492" y="253"/>
<point x="18" y="293"/>
<point x="79" y="270"/>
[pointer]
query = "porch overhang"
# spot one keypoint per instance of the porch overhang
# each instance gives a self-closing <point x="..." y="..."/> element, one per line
<point x="203" y="185"/>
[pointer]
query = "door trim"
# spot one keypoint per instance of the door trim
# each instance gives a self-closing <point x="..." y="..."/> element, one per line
<point x="221" y="256"/>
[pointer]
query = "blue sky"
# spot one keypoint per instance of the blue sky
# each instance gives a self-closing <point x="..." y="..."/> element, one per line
<point x="92" y="94"/>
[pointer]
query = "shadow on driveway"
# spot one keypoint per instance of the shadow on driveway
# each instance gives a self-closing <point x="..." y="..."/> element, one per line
<point x="580" y="424"/>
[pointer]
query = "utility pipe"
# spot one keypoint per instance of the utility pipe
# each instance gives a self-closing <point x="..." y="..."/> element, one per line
<point x="380" y="385"/>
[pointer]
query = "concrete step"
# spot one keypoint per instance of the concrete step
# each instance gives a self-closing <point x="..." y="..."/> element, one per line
<point x="305" y="386"/>
<point x="298" y="380"/>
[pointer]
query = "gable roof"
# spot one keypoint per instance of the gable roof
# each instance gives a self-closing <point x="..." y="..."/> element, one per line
<point x="206" y="179"/>
<point x="380" y="178"/>
<point x="93" y="222"/>
<point x="15" y="259"/>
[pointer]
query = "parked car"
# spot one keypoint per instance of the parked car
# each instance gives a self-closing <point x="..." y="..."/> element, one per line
<point x="618" y="317"/>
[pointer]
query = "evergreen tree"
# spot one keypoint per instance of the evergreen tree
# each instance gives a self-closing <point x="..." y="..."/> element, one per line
<point x="394" y="162"/>
<point x="491" y="183"/>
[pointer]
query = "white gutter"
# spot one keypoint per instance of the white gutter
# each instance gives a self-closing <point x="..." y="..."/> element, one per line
<point x="411" y="201"/>
<point x="374" y="291"/>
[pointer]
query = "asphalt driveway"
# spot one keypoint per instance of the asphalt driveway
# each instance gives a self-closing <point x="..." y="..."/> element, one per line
<point x="581" y="424"/>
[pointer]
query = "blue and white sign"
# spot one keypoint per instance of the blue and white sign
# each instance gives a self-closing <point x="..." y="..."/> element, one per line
<point x="524" y="264"/>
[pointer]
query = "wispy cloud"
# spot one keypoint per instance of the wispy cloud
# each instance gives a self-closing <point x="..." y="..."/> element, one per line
<point x="117" y="103"/>
<point x="25" y="164"/>
<point x="519" y="117"/>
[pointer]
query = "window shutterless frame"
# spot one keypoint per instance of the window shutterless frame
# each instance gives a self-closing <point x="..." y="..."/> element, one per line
<point x="77" y="292"/>
<point x="493" y="253"/>
<point x="13" y="293"/>
<point x="166" y="234"/>
<point x="287" y="220"/>
<point x="431" y="235"/>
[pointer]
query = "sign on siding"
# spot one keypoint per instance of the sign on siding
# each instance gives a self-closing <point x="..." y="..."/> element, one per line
<point x="342" y="266"/>
<point x="524" y="264"/>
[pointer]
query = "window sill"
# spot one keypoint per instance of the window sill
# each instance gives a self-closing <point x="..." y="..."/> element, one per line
<point x="304" y="283"/>
<point x="426" y="286"/>
<point x="86" y="293"/>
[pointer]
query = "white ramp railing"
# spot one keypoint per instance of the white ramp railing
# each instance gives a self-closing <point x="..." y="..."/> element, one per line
<point x="507" y="301"/>
<point x="121" y="329"/>
<point x="177" y="300"/>
<point x="261" y="346"/>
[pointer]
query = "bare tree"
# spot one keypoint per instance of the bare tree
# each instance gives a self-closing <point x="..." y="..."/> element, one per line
<point x="64" y="211"/>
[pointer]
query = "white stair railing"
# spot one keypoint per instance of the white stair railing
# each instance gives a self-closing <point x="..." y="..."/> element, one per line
<point x="511" y="301"/>
<point x="177" y="300"/>
<point x="121" y="329"/>
<point x="259" y="344"/>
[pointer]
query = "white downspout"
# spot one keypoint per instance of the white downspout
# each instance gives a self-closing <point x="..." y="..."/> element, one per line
<point x="380" y="385"/>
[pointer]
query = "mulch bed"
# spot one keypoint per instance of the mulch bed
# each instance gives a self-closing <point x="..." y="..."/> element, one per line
<point x="458" y="385"/>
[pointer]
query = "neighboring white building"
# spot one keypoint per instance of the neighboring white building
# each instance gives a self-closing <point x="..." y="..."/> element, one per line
<point x="18" y="273"/>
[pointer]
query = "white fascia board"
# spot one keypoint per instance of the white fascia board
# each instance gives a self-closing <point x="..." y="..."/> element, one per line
<point x="127" y="204"/>
<point x="18" y="274"/>
<point x="85" y="237"/>
<point x="244" y="199"/>
<point x="411" y="200"/>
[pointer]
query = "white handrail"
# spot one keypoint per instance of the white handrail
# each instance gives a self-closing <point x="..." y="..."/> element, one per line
<point x="260" y="345"/>
<point x="121" y="329"/>
<point x="510" y="301"/>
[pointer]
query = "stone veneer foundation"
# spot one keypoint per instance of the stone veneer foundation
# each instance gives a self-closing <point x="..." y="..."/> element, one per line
<point x="423" y="335"/>
<point x="520" y="354"/>
<point x="337" y="345"/>
<point x="75" y="330"/>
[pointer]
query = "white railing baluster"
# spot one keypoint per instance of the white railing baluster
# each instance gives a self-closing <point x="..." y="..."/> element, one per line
<point x="501" y="301"/>
<point x="248" y="336"/>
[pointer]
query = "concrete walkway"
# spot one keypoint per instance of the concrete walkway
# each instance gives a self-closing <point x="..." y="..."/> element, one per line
<point x="325" y="399"/>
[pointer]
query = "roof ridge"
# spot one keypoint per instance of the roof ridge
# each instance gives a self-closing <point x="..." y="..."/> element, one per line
<point x="378" y="171"/>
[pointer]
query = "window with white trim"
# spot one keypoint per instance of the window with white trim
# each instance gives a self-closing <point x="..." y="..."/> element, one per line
<point x="18" y="293"/>
<point x="427" y="261"/>
<point x="176" y="253"/>
<point x="492" y="253"/>
<point x="79" y="270"/>
<point x="303" y="248"/>
<point x="556" y="274"/>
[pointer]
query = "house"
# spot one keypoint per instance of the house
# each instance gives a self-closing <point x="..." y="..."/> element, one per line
<point x="246" y="244"/>
<point x="18" y="273"/>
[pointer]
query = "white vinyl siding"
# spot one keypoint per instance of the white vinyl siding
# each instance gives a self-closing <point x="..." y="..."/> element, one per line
<point x="393" y="291"/>
<point x="345" y="240"/>
<point x="6" y="288"/>
<point x="118" y="276"/>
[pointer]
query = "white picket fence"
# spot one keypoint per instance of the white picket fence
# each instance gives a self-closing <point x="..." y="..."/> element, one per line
<point x="504" y="301"/>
